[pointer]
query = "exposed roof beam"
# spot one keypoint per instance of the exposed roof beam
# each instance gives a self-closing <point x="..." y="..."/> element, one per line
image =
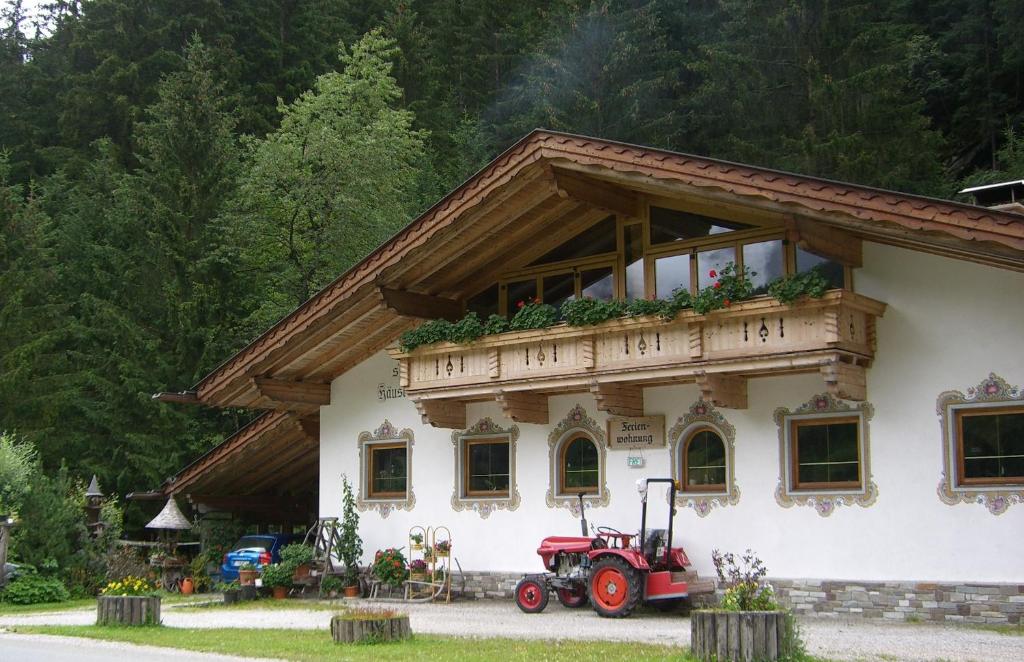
<point x="524" y="406"/>
<point x="618" y="399"/>
<point x="421" y="306"/>
<point x="181" y="397"/>
<point x="825" y="240"/>
<point x="293" y="395"/>
<point x="723" y="390"/>
<point x="442" y="413"/>
<point x="611" y="198"/>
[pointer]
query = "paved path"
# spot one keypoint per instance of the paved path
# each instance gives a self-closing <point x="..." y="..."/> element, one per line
<point x="43" y="648"/>
<point x="838" y="640"/>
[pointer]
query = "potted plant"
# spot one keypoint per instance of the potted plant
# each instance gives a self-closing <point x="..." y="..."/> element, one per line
<point x="279" y="578"/>
<point x="330" y="586"/>
<point x="350" y="545"/>
<point x="128" y="601"/>
<point x="747" y="606"/>
<point x="247" y="574"/>
<point x="443" y="548"/>
<point x="418" y="570"/>
<point x="417" y="541"/>
<point x="389" y="567"/>
<point x="428" y="553"/>
<point x="231" y="591"/>
<point x="299" y="557"/>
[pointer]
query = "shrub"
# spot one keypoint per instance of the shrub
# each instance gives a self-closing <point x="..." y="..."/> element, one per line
<point x="277" y="574"/>
<point x="330" y="583"/>
<point x="17" y="470"/>
<point x="33" y="589"/>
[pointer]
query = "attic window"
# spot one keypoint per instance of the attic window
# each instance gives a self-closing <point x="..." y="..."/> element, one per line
<point x="596" y="240"/>
<point x="669" y="225"/>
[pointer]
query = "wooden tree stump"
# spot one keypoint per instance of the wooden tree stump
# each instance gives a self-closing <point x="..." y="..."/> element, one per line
<point x="349" y="630"/>
<point x="127" y="610"/>
<point x="738" y="635"/>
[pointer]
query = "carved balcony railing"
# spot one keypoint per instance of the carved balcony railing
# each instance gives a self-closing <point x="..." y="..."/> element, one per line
<point x="834" y="335"/>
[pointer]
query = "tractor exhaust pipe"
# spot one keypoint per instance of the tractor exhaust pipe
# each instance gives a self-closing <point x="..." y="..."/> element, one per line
<point x="583" y="516"/>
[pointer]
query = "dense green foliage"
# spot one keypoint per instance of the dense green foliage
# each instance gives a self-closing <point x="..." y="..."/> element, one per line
<point x="174" y="176"/>
<point x="33" y="589"/>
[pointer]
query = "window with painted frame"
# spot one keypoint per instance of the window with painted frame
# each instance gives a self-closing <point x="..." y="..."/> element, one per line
<point x="579" y="466"/>
<point x="825" y="453"/>
<point x="989" y="445"/>
<point x="486" y="467"/>
<point x="387" y="470"/>
<point x="703" y="461"/>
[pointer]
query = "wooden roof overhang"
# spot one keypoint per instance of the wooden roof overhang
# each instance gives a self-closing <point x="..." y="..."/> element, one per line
<point x="540" y="192"/>
<point x="270" y="465"/>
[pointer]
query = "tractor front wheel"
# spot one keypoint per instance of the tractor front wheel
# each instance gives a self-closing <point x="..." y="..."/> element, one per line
<point x="615" y="587"/>
<point x="574" y="597"/>
<point x="531" y="595"/>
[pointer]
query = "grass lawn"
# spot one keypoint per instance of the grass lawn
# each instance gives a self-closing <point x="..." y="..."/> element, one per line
<point x="214" y="602"/>
<point x="7" y="608"/>
<point x="317" y="645"/>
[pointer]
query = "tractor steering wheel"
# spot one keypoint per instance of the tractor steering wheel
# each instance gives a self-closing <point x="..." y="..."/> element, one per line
<point x="608" y="531"/>
<point x="614" y="534"/>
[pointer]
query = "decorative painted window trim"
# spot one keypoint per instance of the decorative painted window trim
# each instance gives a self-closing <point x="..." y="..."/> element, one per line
<point x="576" y="424"/>
<point x="704" y="415"/>
<point x="385" y="434"/>
<point x="485" y="428"/>
<point x="825" y="501"/>
<point x="994" y="391"/>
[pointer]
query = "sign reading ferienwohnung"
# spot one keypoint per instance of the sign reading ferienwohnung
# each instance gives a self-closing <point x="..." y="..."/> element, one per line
<point x="628" y="432"/>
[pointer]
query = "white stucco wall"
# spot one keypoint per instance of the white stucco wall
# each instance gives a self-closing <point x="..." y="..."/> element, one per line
<point x="948" y="325"/>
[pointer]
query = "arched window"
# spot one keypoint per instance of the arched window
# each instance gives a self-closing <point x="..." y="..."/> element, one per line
<point x="578" y="469"/>
<point x="703" y="461"/>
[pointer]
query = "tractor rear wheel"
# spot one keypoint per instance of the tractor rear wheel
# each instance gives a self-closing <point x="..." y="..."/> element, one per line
<point x="574" y="597"/>
<point x="615" y="587"/>
<point x="531" y="595"/>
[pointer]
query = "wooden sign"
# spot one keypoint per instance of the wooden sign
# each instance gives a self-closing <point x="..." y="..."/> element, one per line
<point x="628" y="432"/>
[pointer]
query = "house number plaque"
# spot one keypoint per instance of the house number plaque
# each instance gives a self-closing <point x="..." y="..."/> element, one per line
<point x="636" y="432"/>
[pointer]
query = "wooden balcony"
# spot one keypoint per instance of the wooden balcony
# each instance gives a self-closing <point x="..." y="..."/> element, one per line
<point x="615" y="360"/>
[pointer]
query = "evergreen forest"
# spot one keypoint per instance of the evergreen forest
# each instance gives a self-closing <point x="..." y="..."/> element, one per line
<point x="176" y="175"/>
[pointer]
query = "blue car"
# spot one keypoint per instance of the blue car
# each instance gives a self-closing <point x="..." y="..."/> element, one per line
<point x="258" y="549"/>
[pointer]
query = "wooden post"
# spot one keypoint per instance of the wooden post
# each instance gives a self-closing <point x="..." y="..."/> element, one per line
<point x="128" y="610"/>
<point x="5" y="535"/>
<point x="353" y="630"/>
<point x="737" y="636"/>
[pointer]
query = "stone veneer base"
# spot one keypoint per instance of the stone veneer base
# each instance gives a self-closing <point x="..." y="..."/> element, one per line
<point x="904" y="601"/>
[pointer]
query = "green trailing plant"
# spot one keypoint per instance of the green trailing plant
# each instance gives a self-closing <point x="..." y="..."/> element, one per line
<point x="32" y="589"/>
<point x="277" y="574"/>
<point x="533" y="315"/>
<point x="467" y="329"/>
<point x="810" y="283"/>
<point x="730" y="287"/>
<point x="389" y="566"/>
<point x="427" y="333"/>
<point x="296" y="554"/>
<point x="495" y="324"/>
<point x="743" y="577"/>
<point x="647" y="308"/>
<point x="588" y="312"/>
<point x="330" y="584"/>
<point x="350" y="545"/>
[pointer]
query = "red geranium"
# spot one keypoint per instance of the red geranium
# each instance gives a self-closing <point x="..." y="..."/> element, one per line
<point x="726" y="303"/>
<point x="713" y="273"/>
<point x="717" y="284"/>
<point x="520" y="304"/>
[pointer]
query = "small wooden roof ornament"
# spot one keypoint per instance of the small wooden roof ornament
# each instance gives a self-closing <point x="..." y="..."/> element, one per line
<point x="94" y="488"/>
<point x="170" y="518"/>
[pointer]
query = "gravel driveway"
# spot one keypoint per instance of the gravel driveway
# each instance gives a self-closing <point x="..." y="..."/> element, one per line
<point x="838" y="640"/>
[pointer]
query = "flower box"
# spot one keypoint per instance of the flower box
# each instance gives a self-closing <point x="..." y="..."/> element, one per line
<point x="128" y="610"/>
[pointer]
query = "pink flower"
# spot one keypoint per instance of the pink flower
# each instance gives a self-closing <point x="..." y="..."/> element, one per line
<point x="520" y="304"/>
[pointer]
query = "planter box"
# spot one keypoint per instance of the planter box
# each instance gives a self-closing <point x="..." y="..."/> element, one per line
<point x="738" y="635"/>
<point x="370" y="630"/>
<point x="231" y="597"/>
<point x="127" y="610"/>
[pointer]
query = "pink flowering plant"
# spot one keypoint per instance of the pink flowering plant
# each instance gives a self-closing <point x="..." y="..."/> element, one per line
<point x="743" y="578"/>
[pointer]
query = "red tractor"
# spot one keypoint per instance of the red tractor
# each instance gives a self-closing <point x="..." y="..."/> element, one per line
<point x="614" y="570"/>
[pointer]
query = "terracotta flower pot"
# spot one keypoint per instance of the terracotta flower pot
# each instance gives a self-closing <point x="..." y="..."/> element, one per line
<point x="301" y="572"/>
<point x="247" y="577"/>
<point x="280" y="592"/>
<point x="188" y="587"/>
<point x="352" y="591"/>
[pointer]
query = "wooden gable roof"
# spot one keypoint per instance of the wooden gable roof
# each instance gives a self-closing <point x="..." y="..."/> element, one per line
<point x="540" y="192"/>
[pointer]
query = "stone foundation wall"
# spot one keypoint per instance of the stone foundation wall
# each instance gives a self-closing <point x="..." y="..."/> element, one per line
<point x="905" y="601"/>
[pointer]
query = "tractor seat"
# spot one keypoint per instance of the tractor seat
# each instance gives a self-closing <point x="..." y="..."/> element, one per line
<point x="566" y="544"/>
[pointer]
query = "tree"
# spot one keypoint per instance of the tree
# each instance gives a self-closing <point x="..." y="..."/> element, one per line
<point x="334" y="181"/>
<point x="17" y="468"/>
